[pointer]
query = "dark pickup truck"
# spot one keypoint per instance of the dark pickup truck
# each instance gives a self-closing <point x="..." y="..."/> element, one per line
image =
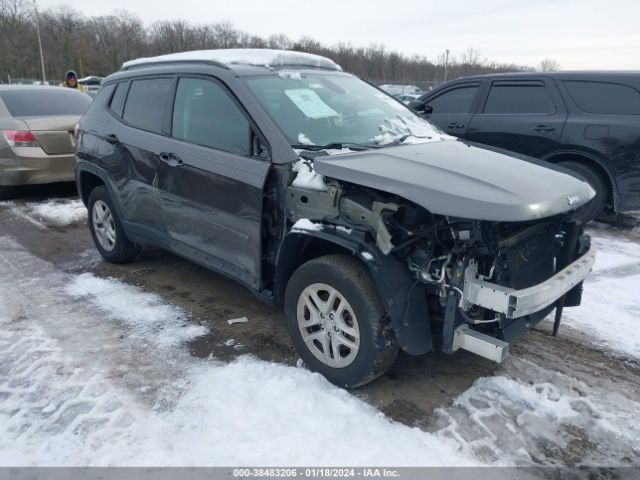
<point x="588" y="122"/>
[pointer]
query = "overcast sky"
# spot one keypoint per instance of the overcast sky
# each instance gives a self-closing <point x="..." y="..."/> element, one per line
<point x="579" y="34"/>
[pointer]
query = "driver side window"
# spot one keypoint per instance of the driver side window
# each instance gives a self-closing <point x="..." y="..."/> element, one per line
<point x="205" y="114"/>
<point x="458" y="100"/>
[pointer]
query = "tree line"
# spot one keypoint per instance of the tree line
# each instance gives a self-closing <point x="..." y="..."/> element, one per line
<point x="98" y="45"/>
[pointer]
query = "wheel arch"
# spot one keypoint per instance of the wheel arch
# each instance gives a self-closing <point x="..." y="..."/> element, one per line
<point x="591" y="161"/>
<point x="298" y="248"/>
<point x="405" y="304"/>
<point x="87" y="181"/>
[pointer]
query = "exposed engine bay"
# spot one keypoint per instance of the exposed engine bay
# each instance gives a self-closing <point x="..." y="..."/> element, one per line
<point x="472" y="273"/>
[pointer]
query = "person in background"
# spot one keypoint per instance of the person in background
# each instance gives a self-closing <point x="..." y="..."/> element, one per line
<point x="71" y="81"/>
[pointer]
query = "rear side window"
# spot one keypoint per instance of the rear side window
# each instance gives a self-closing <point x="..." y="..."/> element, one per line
<point x="604" y="98"/>
<point x="45" y="102"/>
<point x="512" y="98"/>
<point x="117" y="100"/>
<point x="146" y="102"/>
<point x="454" y="101"/>
<point x="205" y="114"/>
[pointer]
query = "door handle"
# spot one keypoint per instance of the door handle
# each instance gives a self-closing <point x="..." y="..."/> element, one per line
<point x="544" y="128"/>
<point x="112" y="138"/>
<point x="456" y="125"/>
<point x="171" y="159"/>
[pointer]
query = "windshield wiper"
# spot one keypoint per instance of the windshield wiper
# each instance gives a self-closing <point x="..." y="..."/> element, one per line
<point x="333" y="145"/>
<point x="401" y="139"/>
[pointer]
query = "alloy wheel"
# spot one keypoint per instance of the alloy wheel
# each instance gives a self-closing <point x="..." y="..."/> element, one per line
<point x="328" y="325"/>
<point x="103" y="225"/>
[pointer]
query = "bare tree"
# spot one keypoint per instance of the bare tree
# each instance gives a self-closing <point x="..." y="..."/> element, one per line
<point x="548" y="65"/>
<point x="99" y="45"/>
<point x="170" y="36"/>
<point x="226" y="35"/>
<point x="279" y="42"/>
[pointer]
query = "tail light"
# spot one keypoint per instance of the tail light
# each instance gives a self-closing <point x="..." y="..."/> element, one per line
<point x="19" y="138"/>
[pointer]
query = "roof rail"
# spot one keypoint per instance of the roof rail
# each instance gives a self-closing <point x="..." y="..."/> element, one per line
<point x="163" y="63"/>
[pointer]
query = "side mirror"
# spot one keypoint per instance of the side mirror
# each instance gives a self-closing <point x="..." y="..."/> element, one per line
<point x="416" y="105"/>
<point x="420" y="107"/>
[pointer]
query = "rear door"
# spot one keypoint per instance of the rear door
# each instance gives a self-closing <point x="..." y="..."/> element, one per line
<point x="606" y="121"/>
<point x="135" y="135"/>
<point x="211" y="182"/>
<point x="525" y="116"/>
<point x="453" y="108"/>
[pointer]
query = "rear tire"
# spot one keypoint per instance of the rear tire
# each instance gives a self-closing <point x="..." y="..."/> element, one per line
<point x="339" y="289"/>
<point x="106" y="229"/>
<point x="596" y="206"/>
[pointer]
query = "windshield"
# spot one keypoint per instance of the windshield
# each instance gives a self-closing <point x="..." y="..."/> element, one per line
<point x="319" y="108"/>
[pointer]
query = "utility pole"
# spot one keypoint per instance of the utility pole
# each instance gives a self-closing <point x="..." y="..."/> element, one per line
<point x="446" y="62"/>
<point x="44" y="77"/>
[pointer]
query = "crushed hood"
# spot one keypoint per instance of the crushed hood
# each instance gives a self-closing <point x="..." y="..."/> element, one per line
<point x="459" y="179"/>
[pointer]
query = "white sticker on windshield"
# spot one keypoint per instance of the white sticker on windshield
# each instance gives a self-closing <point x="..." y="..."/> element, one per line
<point x="310" y="103"/>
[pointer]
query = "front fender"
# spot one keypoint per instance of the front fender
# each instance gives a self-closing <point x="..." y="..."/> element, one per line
<point x="403" y="298"/>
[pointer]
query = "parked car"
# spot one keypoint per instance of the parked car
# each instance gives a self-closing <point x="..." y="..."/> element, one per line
<point x="92" y="84"/>
<point x="406" y="98"/>
<point x="37" y="144"/>
<point x="322" y="194"/>
<point x="588" y="122"/>
<point x="392" y="89"/>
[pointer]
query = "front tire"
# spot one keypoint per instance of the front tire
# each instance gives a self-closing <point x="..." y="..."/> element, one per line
<point x="106" y="229"/>
<point x="337" y="323"/>
<point x="596" y="206"/>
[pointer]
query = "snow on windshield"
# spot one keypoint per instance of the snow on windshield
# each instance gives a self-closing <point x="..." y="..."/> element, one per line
<point x="304" y="140"/>
<point x="408" y="130"/>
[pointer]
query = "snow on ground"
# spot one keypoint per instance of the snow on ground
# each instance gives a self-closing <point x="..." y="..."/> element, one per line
<point x="88" y="378"/>
<point x="614" y="253"/>
<point x="94" y="371"/>
<point x="140" y="310"/>
<point x="59" y="213"/>
<point x="551" y="419"/>
<point x="53" y="212"/>
<point x="610" y="310"/>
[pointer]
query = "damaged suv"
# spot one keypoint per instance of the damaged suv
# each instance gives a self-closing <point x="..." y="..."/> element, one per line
<point x="375" y="230"/>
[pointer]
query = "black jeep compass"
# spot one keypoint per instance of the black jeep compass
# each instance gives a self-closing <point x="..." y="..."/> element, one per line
<point x="374" y="229"/>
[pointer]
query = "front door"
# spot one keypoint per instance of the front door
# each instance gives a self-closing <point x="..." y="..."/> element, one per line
<point x="452" y="109"/>
<point x="210" y="183"/>
<point x="524" y="116"/>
